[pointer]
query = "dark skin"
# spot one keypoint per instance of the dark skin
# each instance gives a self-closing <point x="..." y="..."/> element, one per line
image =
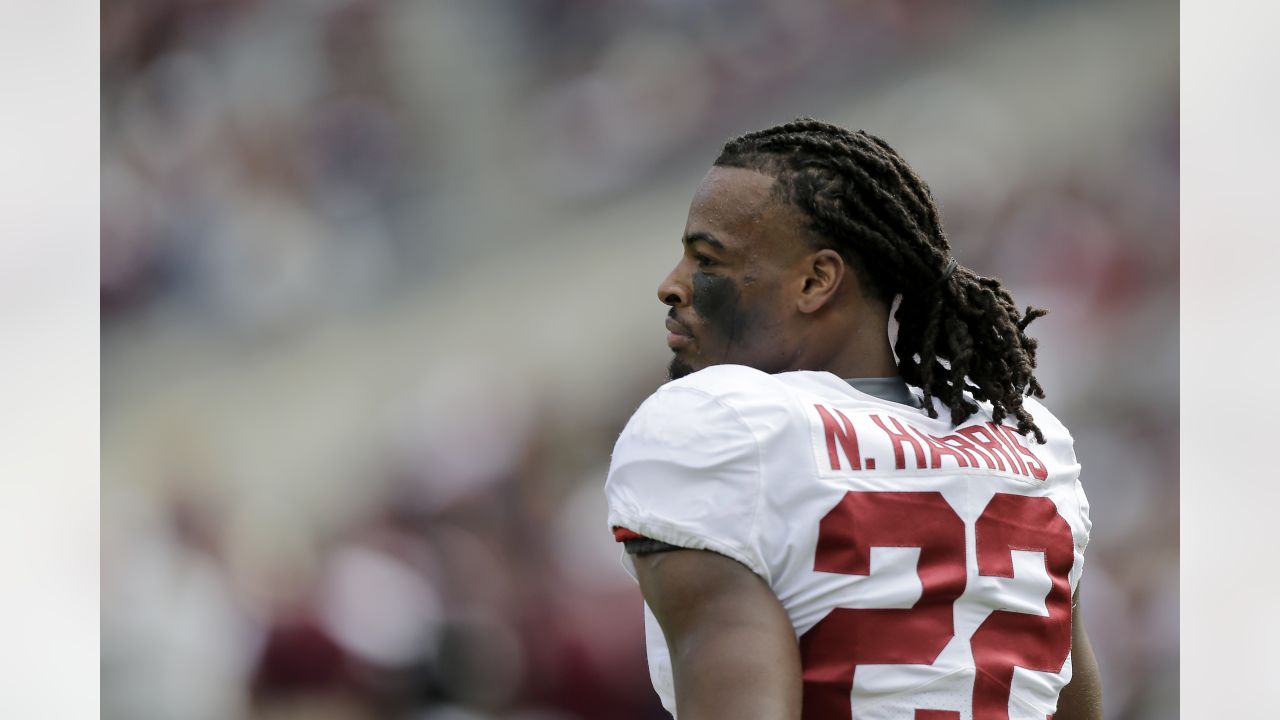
<point x="754" y="287"/>
<point x="733" y="651"/>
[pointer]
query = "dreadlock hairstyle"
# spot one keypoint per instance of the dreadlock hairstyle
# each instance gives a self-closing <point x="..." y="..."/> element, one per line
<point x="957" y="330"/>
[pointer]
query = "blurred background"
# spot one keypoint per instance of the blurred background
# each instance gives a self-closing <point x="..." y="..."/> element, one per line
<point x="378" y="293"/>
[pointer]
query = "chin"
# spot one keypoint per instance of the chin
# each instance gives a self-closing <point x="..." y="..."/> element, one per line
<point x="679" y="368"/>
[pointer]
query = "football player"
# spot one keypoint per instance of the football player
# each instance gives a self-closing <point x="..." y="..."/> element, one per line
<point x="825" y="523"/>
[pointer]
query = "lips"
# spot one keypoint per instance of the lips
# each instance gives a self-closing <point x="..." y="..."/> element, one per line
<point x="678" y="336"/>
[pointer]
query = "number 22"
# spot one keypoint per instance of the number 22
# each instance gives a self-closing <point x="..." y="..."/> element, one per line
<point x="832" y="650"/>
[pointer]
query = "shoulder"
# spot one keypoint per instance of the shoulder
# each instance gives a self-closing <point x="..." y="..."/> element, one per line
<point x="1055" y="433"/>
<point x="729" y="382"/>
<point x="1057" y="437"/>
<point x="686" y="470"/>
<point x="725" y="397"/>
<point x="1049" y="423"/>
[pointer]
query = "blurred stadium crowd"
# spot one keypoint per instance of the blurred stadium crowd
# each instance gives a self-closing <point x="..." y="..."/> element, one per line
<point x="369" y="327"/>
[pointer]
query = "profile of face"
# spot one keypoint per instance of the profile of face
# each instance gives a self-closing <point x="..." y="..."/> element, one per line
<point x="736" y="295"/>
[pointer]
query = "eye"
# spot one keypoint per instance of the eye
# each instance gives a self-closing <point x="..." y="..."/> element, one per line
<point x="703" y="261"/>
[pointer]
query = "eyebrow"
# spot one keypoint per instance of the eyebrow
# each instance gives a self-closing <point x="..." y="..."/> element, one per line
<point x="705" y="237"/>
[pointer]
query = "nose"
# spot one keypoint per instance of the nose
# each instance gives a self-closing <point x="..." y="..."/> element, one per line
<point x="673" y="292"/>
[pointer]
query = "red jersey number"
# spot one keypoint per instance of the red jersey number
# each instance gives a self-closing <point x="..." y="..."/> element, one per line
<point x="832" y="650"/>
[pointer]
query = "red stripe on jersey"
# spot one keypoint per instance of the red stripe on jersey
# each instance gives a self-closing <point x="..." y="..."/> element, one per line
<point x="622" y="534"/>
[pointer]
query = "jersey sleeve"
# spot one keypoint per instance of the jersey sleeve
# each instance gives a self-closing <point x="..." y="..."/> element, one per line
<point x="686" y="471"/>
<point x="1063" y="448"/>
<point x="1083" y="532"/>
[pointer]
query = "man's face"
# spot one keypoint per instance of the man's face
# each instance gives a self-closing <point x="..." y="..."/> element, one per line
<point x="731" y="294"/>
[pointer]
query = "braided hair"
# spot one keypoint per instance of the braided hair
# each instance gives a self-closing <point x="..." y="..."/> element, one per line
<point x="957" y="330"/>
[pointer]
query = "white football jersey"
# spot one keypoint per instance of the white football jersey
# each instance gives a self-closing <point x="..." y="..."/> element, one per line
<point x="928" y="569"/>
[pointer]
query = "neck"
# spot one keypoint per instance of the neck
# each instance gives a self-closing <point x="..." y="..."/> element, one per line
<point x="864" y="352"/>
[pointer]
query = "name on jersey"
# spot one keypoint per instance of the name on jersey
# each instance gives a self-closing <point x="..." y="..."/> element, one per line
<point x="857" y="444"/>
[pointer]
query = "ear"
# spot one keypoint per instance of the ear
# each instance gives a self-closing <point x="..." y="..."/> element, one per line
<point x="821" y="274"/>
